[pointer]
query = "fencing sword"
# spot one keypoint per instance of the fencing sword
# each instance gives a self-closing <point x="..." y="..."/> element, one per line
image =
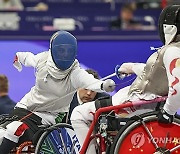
<point x="121" y="76"/>
<point x="108" y="76"/>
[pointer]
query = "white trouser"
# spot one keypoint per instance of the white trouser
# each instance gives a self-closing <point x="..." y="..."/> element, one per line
<point x="82" y="114"/>
<point x="13" y="131"/>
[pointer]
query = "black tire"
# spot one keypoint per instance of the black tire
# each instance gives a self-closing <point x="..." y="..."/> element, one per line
<point x="126" y="132"/>
<point x="58" y="139"/>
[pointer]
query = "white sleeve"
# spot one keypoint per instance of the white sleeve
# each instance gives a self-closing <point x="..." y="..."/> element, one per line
<point x="81" y="79"/>
<point x="130" y="68"/>
<point x="171" y="61"/>
<point x="138" y="68"/>
<point x="27" y="58"/>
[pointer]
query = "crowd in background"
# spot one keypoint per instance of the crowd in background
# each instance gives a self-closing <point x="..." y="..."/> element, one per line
<point x="123" y="15"/>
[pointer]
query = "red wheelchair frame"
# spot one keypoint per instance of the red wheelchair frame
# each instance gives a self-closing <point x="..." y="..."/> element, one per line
<point x="89" y="136"/>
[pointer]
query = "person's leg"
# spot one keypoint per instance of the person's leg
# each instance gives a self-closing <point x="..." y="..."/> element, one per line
<point x="80" y="118"/>
<point x="121" y="96"/>
<point x="82" y="114"/>
<point x="6" y="146"/>
<point x="81" y="129"/>
<point x="11" y="136"/>
<point x="2" y="132"/>
<point x="47" y="118"/>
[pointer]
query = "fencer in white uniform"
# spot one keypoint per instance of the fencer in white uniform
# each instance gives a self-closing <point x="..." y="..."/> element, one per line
<point x="158" y="77"/>
<point x="58" y="76"/>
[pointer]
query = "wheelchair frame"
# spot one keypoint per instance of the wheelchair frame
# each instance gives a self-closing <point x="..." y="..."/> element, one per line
<point x="102" y="139"/>
<point x="115" y="109"/>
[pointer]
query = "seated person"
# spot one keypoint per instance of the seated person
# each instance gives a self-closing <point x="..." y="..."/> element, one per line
<point x="58" y="76"/>
<point x="125" y="20"/>
<point x="6" y="103"/>
<point x="11" y="5"/>
<point x="158" y="77"/>
<point x="85" y="95"/>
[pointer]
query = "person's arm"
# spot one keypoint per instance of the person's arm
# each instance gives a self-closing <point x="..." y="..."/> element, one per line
<point x="138" y="68"/>
<point x="171" y="61"/>
<point x="172" y="64"/>
<point x="27" y="59"/>
<point x="81" y="79"/>
<point x="130" y="68"/>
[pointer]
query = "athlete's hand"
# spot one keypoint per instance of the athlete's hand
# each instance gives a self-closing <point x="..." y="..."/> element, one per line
<point x="164" y="117"/>
<point x="108" y="85"/>
<point x="124" y="70"/>
<point x="17" y="63"/>
<point x="118" y="72"/>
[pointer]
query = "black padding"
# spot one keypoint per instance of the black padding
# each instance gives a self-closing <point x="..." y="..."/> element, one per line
<point x="109" y="116"/>
<point x="6" y="119"/>
<point x="159" y="106"/>
<point x="33" y="121"/>
<point x="37" y="135"/>
<point x="6" y="146"/>
<point x="103" y="102"/>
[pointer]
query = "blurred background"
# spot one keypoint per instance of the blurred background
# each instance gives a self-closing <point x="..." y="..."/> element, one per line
<point x="109" y="32"/>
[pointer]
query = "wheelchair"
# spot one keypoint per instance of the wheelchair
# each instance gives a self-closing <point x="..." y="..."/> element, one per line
<point x="56" y="139"/>
<point x="143" y="134"/>
<point x="138" y="134"/>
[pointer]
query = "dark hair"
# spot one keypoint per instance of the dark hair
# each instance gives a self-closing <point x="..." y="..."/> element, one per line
<point x="4" y="84"/>
<point x="127" y="7"/>
<point x="93" y="72"/>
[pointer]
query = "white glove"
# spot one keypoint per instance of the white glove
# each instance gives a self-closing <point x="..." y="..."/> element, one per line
<point x="126" y="68"/>
<point x="17" y="63"/>
<point x="108" y="85"/>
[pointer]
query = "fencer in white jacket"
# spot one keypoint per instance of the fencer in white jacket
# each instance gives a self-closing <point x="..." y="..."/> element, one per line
<point x="160" y="76"/>
<point x="58" y="76"/>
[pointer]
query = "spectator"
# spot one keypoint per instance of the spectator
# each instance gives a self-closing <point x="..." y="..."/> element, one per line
<point x="84" y="95"/>
<point x="11" y="5"/>
<point x="41" y="6"/>
<point x="126" y="20"/>
<point x="6" y="103"/>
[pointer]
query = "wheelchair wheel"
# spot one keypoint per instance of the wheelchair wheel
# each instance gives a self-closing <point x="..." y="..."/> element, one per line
<point x="134" y="138"/>
<point x="25" y="147"/>
<point x="58" y="139"/>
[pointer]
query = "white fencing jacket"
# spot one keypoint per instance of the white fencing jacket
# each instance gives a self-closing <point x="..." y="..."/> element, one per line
<point x="54" y="89"/>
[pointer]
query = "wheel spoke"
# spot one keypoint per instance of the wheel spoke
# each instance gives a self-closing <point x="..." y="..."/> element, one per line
<point x="150" y="135"/>
<point x="175" y="148"/>
<point x="64" y="145"/>
<point x="167" y="137"/>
